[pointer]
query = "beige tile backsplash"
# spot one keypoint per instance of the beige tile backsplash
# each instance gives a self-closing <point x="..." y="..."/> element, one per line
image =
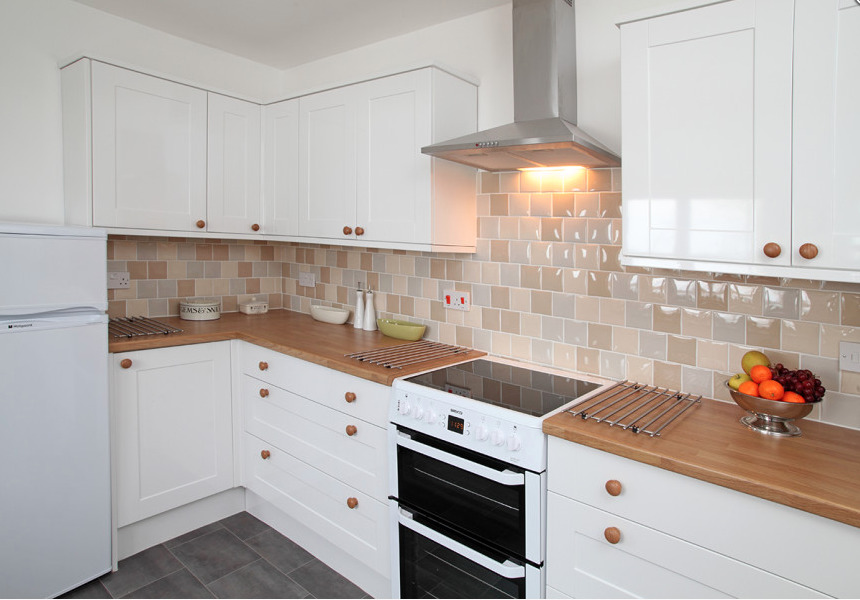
<point x="547" y="287"/>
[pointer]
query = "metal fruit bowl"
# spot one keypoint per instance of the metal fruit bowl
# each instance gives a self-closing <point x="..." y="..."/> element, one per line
<point x="773" y="417"/>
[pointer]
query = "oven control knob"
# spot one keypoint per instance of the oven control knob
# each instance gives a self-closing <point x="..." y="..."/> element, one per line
<point x="404" y="408"/>
<point x="419" y="412"/>
<point x="432" y="417"/>
<point x="482" y="433"/>
<point x="498" y="437"/>
<point x="514" y="442"/>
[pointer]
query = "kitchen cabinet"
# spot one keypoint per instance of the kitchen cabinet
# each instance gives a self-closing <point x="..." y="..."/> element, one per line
<point x="281" y="167"/>
<point x="362" y="176"/>
<point x="172" y="427"/>
<point x="737" y="127"/>
<point x="314" y="447"/>
<point x="619" y="528"/>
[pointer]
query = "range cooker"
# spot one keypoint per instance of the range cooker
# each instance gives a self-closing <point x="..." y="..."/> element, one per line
<point x="468" y="477"/>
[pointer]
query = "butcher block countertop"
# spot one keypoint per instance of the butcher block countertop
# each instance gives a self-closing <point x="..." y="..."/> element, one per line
<point x="818" y="471"/>
<point x="291" y="333"/>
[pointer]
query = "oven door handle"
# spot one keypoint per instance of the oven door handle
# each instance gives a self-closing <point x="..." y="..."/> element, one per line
<point x="507" y="569"/>
<point x="506" y="477"/>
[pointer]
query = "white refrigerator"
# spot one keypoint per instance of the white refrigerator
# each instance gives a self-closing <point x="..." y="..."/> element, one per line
<point x="55" y="511"/>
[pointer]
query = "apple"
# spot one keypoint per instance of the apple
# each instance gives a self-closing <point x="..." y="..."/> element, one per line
<point x="737" y="379"/>
<point x="753" y="358"/>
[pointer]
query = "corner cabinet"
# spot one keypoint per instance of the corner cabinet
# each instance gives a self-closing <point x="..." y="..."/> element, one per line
<point x="172" y="427"/>
<point x="362" y="176"/>
<point x="738" y="120"/>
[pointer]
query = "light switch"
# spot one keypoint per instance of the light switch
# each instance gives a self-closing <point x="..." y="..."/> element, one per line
<point x="849" y="356"/>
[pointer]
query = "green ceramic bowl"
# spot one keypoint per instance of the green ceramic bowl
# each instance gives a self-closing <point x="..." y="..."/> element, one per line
<point x="402" y="330"/>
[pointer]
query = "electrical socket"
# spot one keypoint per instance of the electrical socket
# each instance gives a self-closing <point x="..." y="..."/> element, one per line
<point x="849" y="356"/>
<point x="307" y="279"/>
<point x="456" y="300"/>
<point x="118" y="280"/>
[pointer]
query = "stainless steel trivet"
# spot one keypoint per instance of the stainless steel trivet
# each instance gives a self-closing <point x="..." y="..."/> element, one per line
<point x="128" y="327"/>
<point x="397" y="357"/>
<point x="636" y="407"/>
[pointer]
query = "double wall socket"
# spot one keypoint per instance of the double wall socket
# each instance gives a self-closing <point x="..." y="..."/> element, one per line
<point x="118" y="280"/>
<point x="307" y="279"/>
<point x="456" y="300"/>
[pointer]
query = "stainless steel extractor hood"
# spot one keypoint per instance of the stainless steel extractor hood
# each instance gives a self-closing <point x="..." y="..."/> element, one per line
<point x="544" y="131"/>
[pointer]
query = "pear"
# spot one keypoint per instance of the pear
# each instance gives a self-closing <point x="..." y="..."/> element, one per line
<point x="736" y="380"/>
<point x="753" y="358"/>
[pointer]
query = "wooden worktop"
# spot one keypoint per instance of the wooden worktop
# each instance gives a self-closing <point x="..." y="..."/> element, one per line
<point x="291" y="333"/>
<point x="818" y="471"/>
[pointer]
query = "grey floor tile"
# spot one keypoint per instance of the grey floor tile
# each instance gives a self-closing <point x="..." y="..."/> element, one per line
<point x="324" y="582"/>
<point x="214" y="555"/>
<point x="257" y="580"/>
<point x="244" y="525"/>
<point x="139" y="570"/>
<point x="181" y="584"/>
<point x="281" y="551"/>
<point x="191" y="535"/>
<point x="93" y="589"/>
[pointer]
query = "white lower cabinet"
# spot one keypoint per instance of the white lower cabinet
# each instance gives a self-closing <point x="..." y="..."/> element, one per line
<point x="172" y="427"/>
<point x="668" y="535"/>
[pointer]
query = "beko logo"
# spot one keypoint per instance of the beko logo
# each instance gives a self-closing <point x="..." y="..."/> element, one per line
<point x="456" y="412"/>
<point x="19" y="325"/>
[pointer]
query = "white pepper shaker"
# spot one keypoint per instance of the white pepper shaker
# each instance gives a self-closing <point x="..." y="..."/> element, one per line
<point x="369" y="313"/>
<point x="358" y="320"/>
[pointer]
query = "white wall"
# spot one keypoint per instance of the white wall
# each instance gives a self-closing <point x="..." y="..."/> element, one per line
<point x="38" y="35"/>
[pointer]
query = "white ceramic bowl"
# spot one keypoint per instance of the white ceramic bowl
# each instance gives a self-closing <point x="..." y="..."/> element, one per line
<point x="329" y="314"/>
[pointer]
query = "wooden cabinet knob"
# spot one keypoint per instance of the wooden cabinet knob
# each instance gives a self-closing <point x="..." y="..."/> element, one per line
<point x="352" y="502"/>
<point x="612" y="535"/>
<point x="613" y="487"/>
<point x="772" y="250"/>
<point x="255" y="227"/>
<point x="359" y="231"/>
<point x="264" y="365"/>
<point x="349" y="396"/>
<point x="347" y="230"/>
<point x="125" y="363"/>
<point x="808" y="251"/>
<point x="351" y="430"/>
<point x="201" y="224"/>
<point x="264" y="392"/>
<point x="264" y="454"/>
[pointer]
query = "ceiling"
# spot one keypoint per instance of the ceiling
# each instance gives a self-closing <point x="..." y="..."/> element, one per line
<point x="286" y="33"/>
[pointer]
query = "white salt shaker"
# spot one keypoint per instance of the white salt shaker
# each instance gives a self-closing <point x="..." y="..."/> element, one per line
<point x="358" y="320"/>
<point x="369" y="313"/>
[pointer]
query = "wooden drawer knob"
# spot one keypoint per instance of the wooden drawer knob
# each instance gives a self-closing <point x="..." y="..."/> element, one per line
<point x="612" y="535"/>
<point x="201" y="224"/>
<point x="263" y="392"/>
<point x="264" y="365"/>
<point x="613" y="487"/>
<point x="264" y="454"/>
<point x="125" y="363"/>
<point x="359" y="231"/>
<point x="349" y="396"/>
<point x="808" y="251"/>
<point x="351" y="430"/>
<point x="772" y="250"/>
<point x="352" y="502"/>
<point x="255" y="227"/>
<point x="347" y="230"/>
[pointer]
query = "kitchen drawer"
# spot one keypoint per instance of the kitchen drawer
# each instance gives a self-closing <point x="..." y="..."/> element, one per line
<point x="817" y="552"/>
<point x="644" y="563"/>
<point x="320" y="502"/>
<point x="321" y="384"/>
<point x="318" y="435"/>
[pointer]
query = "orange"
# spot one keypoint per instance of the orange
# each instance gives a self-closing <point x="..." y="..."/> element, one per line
<point x="770" y="389"/>
<point x="760" y="373"/>
<point x="792" y="397"/>
<point x="750" y="388"/>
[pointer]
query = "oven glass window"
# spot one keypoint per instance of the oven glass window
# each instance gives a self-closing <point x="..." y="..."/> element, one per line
<point x="430" y="570"/>
<point x="471" y="505"/>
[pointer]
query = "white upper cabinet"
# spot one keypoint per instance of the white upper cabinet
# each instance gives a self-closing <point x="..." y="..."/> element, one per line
<point x="148" y="151"/>
<point x="234" y="199"/>
<point x="735" y="117"/>
<point x="281" y="167"/>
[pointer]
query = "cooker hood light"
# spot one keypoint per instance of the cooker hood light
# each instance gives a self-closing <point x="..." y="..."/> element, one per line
<point x="544" y="131"/>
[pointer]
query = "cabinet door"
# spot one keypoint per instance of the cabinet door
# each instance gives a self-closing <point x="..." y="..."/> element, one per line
<point x="281" y="167"/>
<point x="706" y="108"/>
<point x="826" y="198"/>
<point x="173" y="428"/>
<point x="149" y="151"/>
<point x="327" y="164"/>
<point x="233" y="198"/>
<point x="393" y="176"/>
